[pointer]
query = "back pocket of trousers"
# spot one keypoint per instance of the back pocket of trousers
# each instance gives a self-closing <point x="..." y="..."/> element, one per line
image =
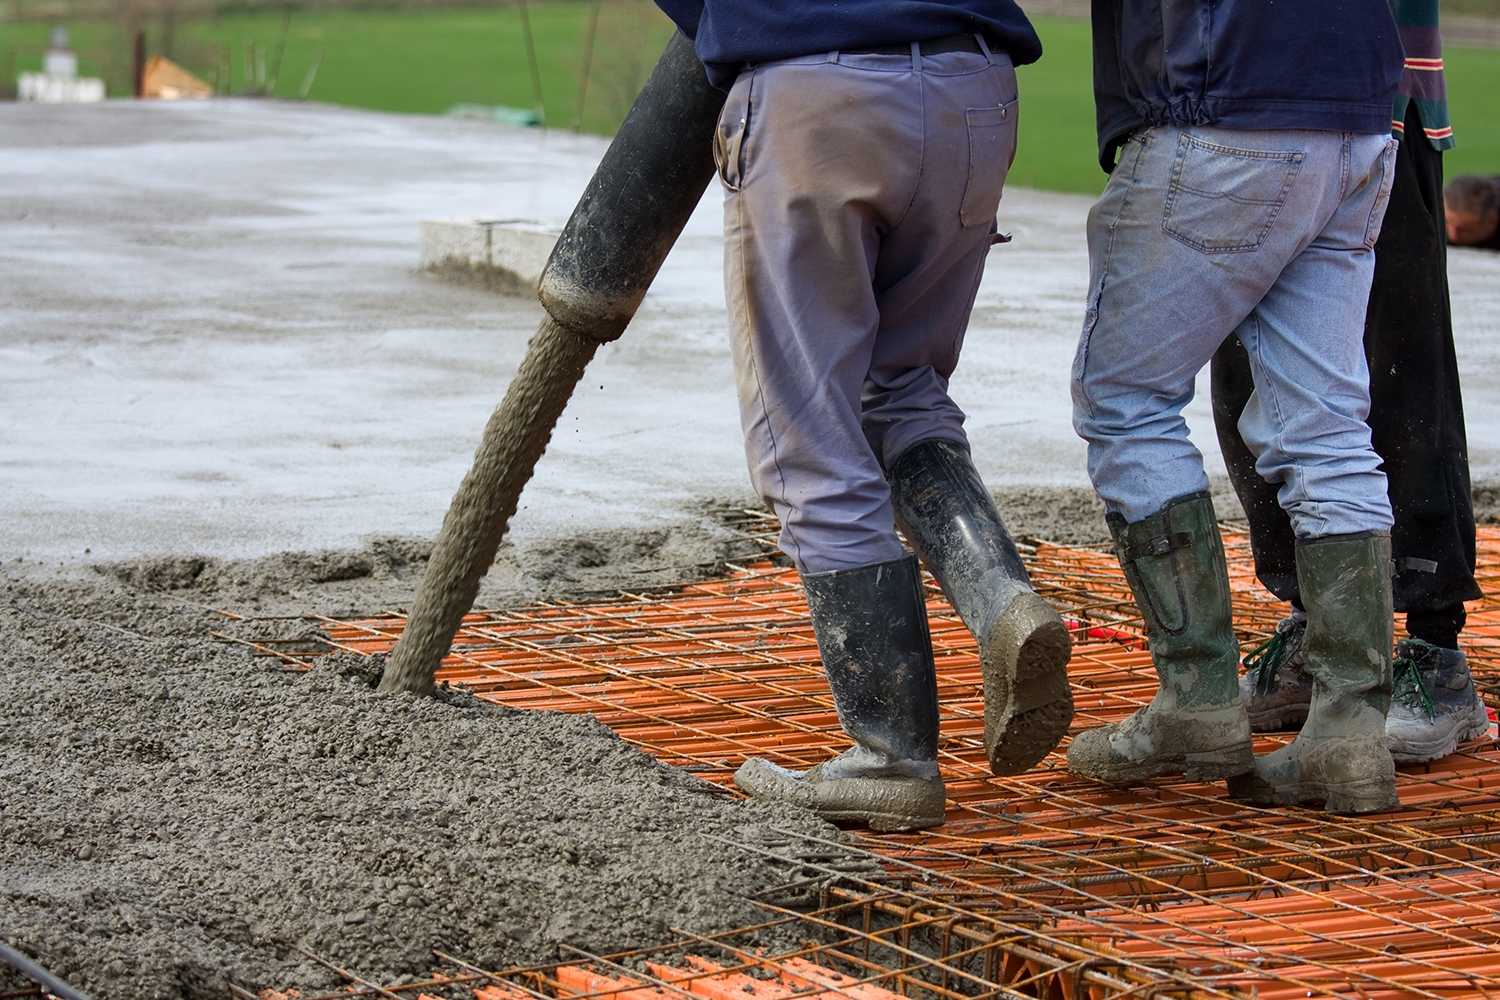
<point x="992" y="147"/>
<point x="1225" y="200"/>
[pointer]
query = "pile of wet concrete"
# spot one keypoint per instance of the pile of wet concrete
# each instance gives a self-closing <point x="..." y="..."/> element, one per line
<point x="176" y="814"/>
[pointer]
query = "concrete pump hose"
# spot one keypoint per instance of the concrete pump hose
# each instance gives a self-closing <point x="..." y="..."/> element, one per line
<point x="645" y="188"/>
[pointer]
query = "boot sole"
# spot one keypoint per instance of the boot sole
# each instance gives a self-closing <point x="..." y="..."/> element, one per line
<point x="1414" y="752"/>
<point x="1207" y="766"/>
<point x="1028" y="705"/>
<point x="1348" y="798"/>
<point x="1370" y="786"/>
<point x="896" y="804"/>
<point x="881" y="822"/>
<point x="1287" y="719"/>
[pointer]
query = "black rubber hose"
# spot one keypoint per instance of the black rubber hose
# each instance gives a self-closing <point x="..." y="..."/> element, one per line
<point x="38" y="975"/>
<point x="650" y="180"/>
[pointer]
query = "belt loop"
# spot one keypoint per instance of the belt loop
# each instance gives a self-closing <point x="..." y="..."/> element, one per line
<point x="984" y="46"/>
<point x="916" y="57"/>
<point x="833" y="56"/>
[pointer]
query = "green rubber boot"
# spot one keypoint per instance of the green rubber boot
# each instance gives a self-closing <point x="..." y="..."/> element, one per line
<point x="1196" y="724"/>
<point x="1340" y="758"/>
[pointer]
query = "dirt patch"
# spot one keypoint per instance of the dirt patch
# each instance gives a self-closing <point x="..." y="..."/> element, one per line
<point x="1486" y="501"/>
<point x="486" y="278"/>
<point x="384" y="573"/>
<point x="1074" y="516"/>
<point x="176" y="812"/>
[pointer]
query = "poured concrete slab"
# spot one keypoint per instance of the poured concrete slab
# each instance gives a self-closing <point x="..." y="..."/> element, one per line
<point x="510" y="250"/>
<point x="217" y="339"/>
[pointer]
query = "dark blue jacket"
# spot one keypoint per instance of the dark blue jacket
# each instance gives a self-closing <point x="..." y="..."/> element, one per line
<point x="1329" y="65"/>
<point x="727" y="34"/>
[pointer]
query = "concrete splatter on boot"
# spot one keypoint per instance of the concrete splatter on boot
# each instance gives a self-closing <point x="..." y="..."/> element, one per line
<point x="1196" y="724"/>
<point x="951" y="520"/>
<point x="1274" y="687"/>
<point x="871" y="625"/>
<point x="1339" y="759"/>
<point x="1434" y="706"/>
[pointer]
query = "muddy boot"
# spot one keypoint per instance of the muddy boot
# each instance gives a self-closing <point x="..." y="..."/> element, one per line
<point x="1434" y="707"/>
<point x="1339" y="759"/>
<point x="1196" y="724"/>
<point x="871" y="625"/>
<point x="950" y="519"/>
<point x="1274" y="687"/>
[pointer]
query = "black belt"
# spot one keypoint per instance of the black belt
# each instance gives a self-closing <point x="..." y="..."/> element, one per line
<point x="931" y="47"/>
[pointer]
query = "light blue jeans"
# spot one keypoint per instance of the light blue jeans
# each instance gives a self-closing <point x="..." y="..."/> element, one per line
<point x="1206" y="232"/>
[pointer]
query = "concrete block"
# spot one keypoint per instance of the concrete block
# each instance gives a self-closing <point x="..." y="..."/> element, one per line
<point x="505" y="253"/>
<point x="43" y="88"/>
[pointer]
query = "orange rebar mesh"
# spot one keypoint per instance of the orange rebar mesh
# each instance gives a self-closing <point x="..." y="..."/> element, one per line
<point x="1099" y="891"/>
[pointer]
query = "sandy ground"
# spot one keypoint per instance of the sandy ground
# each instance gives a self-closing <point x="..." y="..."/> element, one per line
<point x="223" y="384"/>
<point x="215" y="341"/>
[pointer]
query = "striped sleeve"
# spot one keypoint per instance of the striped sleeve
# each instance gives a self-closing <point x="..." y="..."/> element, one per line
<point x="1422" y="80"/>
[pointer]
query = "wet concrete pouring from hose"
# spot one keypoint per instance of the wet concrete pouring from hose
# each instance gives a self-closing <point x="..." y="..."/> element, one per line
<point x="177" y="814"/>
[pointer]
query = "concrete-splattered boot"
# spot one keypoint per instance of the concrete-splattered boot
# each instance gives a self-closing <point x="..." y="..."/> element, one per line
<point x="1196" y="724"/>
<point x="871" y="625"/>
<point x="1339" y="759"/>
<point x="1275" y="688"/>
<point x="951" y="520"/>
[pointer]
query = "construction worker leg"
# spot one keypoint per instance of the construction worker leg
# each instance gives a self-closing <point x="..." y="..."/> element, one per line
<point x="1416" y="401"/>
<point x="817" y="159"/>
<point x="1305" y="422"/>
<point x="931" y="262"/>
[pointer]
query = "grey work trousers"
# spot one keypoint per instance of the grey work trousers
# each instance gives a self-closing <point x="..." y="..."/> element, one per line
<point x="860" y="200"/>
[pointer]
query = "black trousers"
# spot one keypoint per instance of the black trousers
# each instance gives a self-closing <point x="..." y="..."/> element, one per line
<point x="1416" y="409"/>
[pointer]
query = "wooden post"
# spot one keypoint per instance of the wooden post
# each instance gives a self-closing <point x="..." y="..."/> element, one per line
<point x="286" y="29"/>
<point x="588" y="63"/>
<point x="138" y="63"/>
<point x="168" y="30"/>
<point x="312" y="74"/>
<point x="536" y="73"/>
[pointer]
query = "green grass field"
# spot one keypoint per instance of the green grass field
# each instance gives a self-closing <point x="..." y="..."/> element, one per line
<point x="428" y="61"/>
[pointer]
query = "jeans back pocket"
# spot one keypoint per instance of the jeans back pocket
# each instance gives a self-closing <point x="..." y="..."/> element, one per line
<point x="992" y="147"/>
<point x="1225" y="200"/>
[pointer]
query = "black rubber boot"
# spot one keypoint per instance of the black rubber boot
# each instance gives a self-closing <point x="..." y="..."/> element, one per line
<point x="871" y="625"/>
<point x="950" y="519"/>
<point x="1339" y="759"/>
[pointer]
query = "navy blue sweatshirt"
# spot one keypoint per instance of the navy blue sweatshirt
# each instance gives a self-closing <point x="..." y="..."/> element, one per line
<point x="727" y="34"/>
<point x="1330" y="65"/>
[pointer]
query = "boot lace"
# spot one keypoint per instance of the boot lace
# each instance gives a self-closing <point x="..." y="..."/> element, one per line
<point x="1409" y="686"/>
<point x="1265" y="660"/>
